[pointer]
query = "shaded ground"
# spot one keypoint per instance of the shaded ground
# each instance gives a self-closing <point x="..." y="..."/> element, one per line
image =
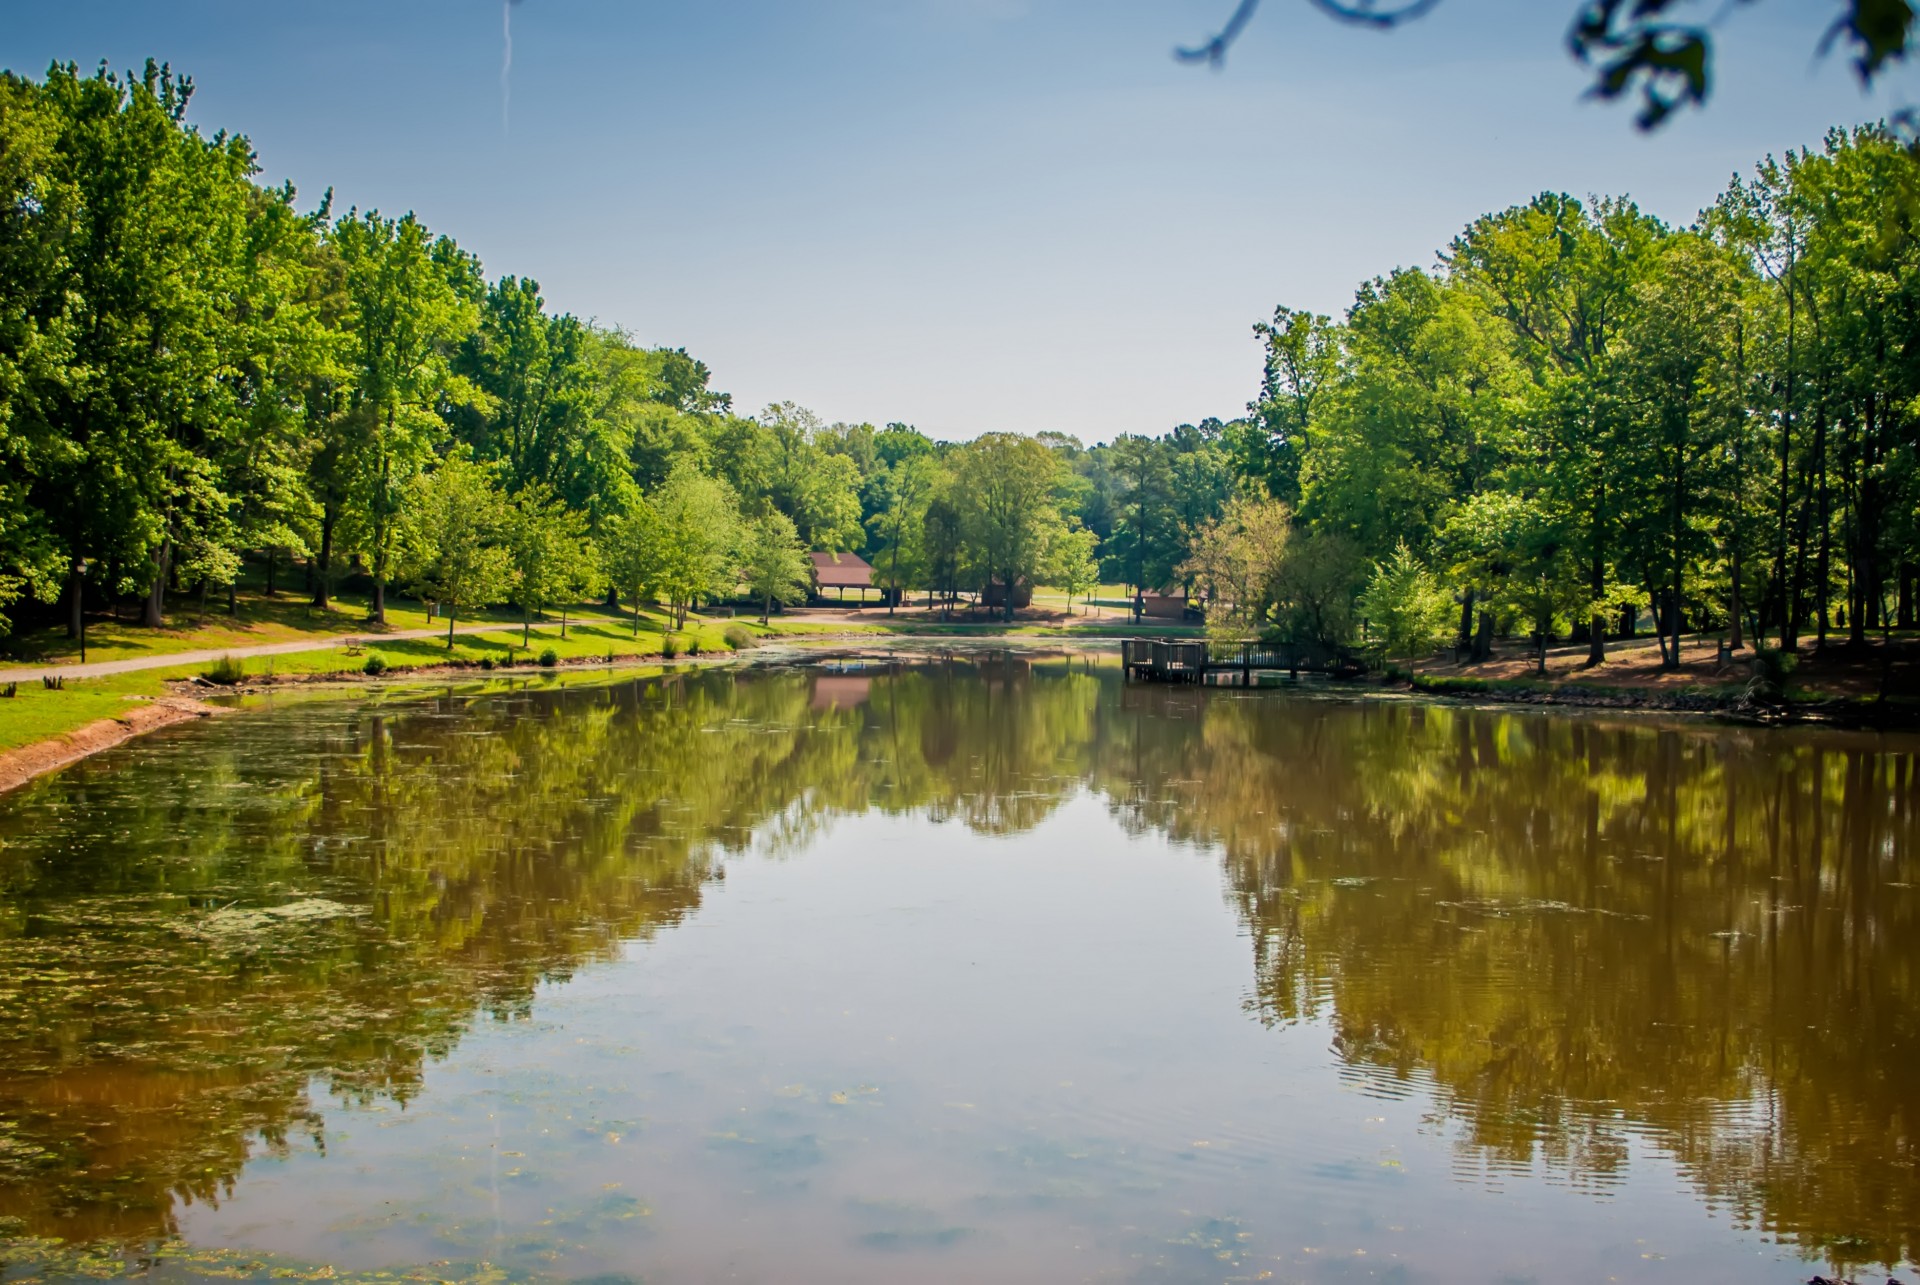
<point x="1836" y="672"/>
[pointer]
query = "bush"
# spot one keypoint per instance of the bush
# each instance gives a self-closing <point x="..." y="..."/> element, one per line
<point x="486" y="662"/>
<point x="226" y="671"/>
<point x="549" y="658"/>
<point x="693" y="644"/>
<point x="53" y="682"/>
<point x="739" y="637"/>
<point x="376" y="664"/>
<point x="1771" y="668"/>
<point x="669" y="646"/>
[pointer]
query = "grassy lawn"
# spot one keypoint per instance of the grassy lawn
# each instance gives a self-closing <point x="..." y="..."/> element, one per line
<point x="259" y="619"/>
<point x="1106" y="600"/>
<point x="37" y="713"/>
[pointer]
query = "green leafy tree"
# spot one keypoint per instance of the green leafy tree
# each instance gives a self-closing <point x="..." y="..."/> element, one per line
<point x="412" y="300"/>
<point x="555" y="561"/>
<point x="1003" y="489"/>
<point x="1236" y="560"/>
<point x="906" y="490"/>
<point x="1073" y="561"/>
<point x="630" y="554"/>
<point x="1404" y="605"/>
<point x="697" y="544"/>
<point x="772" y="563"/>
<point x="1303" y="353"/>
<point x="455" y="538"/>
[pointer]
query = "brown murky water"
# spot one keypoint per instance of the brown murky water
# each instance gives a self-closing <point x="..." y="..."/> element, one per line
<point x="989" y="969"/>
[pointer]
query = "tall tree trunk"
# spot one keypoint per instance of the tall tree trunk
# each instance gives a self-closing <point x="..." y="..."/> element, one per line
<point x="1803" y="526"/>
<point x="1597" y="586"/>
<point x="319" y="575"/>
<point x="1738" y="640"/>
<point x="1788" y="590"/>
<point x="153" y="615"/>
<point x="1853" y="523"/>
<point x="1483" y="642"/>
<point x="1905" y="601"/>
<point x="76" y="602"/>
<point x="273" y="561"/>
<point x="381" y="535"/>
<point x="201" y="618"/>
<point x="1463" y="644"/>
<point x="1678" y="537"/>
<point x="450" y="614"/>
<point x="1823" y="564"/>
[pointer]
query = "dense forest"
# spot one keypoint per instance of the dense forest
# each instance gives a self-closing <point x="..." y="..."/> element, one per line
<point x="1578" y="419"/>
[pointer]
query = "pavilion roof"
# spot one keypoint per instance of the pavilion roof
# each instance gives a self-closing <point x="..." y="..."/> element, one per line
<point x="840" y="570"/>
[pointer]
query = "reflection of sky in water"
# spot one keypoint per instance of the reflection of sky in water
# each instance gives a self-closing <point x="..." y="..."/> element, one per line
<point x="910" y="1052"/>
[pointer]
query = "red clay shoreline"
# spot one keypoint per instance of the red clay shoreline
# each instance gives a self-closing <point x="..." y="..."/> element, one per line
<point x="19" y="766"/>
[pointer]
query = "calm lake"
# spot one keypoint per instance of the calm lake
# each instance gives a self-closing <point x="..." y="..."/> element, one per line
<point x="987" y="968"/>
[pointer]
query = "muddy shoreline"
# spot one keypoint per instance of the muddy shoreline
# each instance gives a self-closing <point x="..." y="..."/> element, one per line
<point x="1861" y="715"/>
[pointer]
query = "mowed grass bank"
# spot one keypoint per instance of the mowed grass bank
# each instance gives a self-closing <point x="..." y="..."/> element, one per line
<point x="36" y="713"/>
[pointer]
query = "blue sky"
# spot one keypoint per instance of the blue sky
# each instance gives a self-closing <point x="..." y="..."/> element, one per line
<point x="964" y="214"/>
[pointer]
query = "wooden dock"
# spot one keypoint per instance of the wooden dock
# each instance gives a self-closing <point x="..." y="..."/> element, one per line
<point x="1156" y="660"/>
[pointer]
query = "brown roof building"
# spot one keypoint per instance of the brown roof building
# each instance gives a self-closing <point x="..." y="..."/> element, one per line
<point x="840" y="572"/>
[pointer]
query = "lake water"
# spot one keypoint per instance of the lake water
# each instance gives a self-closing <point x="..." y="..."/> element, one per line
<point x="989" y="968"/>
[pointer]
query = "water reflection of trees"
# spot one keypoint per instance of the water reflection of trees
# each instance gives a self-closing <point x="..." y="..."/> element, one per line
<point x="1576" y="931"/>
<point x="1568" y="931"/>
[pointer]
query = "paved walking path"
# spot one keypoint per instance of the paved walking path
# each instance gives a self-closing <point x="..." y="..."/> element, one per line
<point x="100" y="668"/>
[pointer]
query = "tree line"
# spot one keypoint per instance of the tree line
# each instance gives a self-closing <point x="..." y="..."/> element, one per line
<point x="198" y="375"/>
<point x="1577" y="418"/>
<point x="1581" y="414"/>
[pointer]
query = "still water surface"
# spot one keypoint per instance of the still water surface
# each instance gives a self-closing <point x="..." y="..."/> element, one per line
<point x="986" y="969"/>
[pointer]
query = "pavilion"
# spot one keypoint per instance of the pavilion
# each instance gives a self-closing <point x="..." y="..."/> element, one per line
<point x="840" y="572"/>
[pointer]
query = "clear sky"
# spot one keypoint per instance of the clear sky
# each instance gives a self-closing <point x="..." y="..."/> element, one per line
<point x="963" y="214"/>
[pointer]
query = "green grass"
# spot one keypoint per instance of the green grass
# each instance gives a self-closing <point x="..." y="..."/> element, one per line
<point x="37" y="714"/>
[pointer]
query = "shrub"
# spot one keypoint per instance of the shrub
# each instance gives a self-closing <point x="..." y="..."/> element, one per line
<point x="376" y="664"/>
<point x="609" y="655"/>
<point x="739" y="637"/>
<point x="549" y="658"/>
<point x="669" y="646"/>
<point x="53" y="682"/>
<point x="10" y="691"/>
<point x="226" y="671"/>
<point x="486" y="662"/>
<point x="693" y="644"/>
<point x="1771" y="668"/>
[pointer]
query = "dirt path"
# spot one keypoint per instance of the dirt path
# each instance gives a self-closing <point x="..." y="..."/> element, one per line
<point x="99" y="668"/>
<point x="17" y="767"/>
